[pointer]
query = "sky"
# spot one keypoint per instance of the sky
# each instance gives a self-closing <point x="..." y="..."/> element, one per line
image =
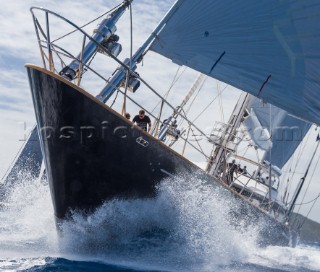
<point x="18" y="46"/>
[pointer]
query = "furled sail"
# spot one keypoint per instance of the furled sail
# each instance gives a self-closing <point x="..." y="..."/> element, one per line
<point x="286" y="131"/>
<point x="269" y="48"/>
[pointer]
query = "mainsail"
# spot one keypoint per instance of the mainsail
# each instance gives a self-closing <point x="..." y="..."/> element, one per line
<point x="268" y="48"/>
<point x="283" y="135"/>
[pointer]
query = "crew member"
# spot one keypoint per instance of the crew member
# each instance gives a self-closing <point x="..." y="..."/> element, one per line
<point x="127" y="115"/>
<point x="232" y="167"/>
<point x="143" y="121"/>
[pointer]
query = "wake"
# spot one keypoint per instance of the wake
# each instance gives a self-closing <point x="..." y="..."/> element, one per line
<point x="186" y="227"/>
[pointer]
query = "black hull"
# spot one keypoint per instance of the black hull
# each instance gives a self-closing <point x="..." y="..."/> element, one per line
<point x="93" y="154"/>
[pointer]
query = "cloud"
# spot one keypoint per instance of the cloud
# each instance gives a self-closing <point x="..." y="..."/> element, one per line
<point x="18" y="45"/>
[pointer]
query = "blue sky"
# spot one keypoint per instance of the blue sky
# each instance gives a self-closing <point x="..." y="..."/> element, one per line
<point x="18" y="46"/>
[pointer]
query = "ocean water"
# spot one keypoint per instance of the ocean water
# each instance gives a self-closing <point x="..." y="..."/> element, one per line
<point x="184" y="229"/>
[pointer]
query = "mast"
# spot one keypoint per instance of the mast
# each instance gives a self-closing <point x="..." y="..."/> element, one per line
<point x="104" y="34"/>
<point x="270" y="151"/>
<point x="220" y="151"/>
<point x="120" y="74"/>
<point x="171" y="121"/>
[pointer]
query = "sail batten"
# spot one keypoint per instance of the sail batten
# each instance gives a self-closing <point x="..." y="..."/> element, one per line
<point x="243" y="45"/>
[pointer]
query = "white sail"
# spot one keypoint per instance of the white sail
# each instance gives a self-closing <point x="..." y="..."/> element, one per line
<point x="273" y="54"/>
<point x="283" y="135"/>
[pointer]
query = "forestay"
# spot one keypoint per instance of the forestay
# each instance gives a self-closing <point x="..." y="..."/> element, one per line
<point x="269" y="48"/>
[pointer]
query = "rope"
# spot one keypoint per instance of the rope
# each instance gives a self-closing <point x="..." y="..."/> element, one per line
<point x="85" y="69"/>
<point x="114" y="100"/>
<point x="305" y="203"/>
<point x="71" y="32"/>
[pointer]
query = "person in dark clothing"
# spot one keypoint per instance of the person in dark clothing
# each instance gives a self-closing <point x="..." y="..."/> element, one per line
<point x="143" y="121"/>
<point x="231" y="168"/>
<point x="127" y="115"/>
<point x="244" y="170"/>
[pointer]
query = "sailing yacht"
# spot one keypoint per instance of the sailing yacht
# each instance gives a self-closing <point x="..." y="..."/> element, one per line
<point x="93" y="154"/>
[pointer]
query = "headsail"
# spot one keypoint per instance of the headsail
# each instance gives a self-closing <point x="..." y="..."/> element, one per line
<point x="286" y="130"/>
<point x="268" y="48"/>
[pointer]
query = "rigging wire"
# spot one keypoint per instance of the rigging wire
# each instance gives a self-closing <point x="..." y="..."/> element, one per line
<point x="303" y="147"/>
<point x="257" y="154"/>
<point x="71" y="32"/>
<point x="185" y="141"/>
<point x="209" y="104"/>
<point x="292" y="205"/>
<point x="174" y="81"/>
<point x="290" y="178"/>
<point x="115" y="98"/>
<point x="304" y="195"/>
<point x="270" y="150"/>
<point x="194" y="98"/>
<point x="195" y="137"/>
<point x="246" y="148"/>
<point x="314" y="201"/>
<point x="192" y="102"/>
<point x="184" y="130"/>
<point x="220" y="102"/>
<point x="89" y="63"/>
<point x="154" y="129"/>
